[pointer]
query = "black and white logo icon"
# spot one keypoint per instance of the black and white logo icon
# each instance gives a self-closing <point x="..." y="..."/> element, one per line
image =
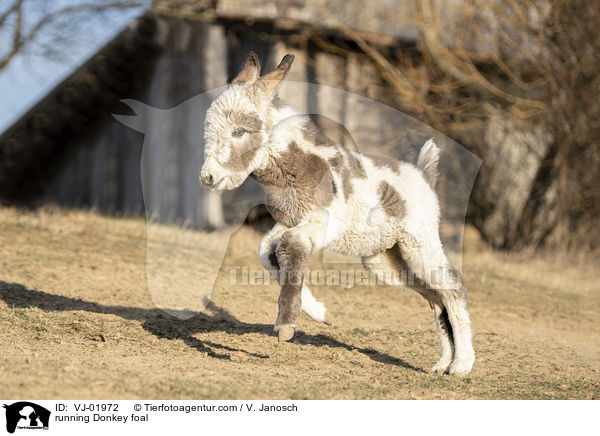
<point x="26" y="415"/>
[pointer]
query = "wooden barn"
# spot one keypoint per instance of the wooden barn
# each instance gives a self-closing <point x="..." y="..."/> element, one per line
<point x="70" y="151"/>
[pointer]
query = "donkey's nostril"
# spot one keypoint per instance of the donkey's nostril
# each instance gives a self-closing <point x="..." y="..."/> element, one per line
<point x="207" y="179"/>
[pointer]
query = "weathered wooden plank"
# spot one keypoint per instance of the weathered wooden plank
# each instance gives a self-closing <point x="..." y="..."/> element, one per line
<point x="209" y="205"/>
<point x="330" y="74"/>
<point x="129" y="144"/>
<point x="110" y="196"/>
<point x="97" y="157"/>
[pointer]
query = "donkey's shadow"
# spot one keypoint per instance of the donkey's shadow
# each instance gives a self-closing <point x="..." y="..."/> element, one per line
<point x="165" y="326"/>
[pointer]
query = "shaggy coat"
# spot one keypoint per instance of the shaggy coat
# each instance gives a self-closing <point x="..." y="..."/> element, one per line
<point x="325" y="196"/>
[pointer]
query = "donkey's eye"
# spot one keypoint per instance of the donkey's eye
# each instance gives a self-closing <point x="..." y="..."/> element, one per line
<point x="238" y="132"/>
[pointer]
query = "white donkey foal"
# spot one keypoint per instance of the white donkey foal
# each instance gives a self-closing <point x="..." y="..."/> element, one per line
<point x="322" y="195"/>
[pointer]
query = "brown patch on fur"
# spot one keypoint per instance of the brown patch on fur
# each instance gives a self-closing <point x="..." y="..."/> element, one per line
<point x="306" y="173"/>
<point x="347" y="183"/>
<point x="241" y="162"/>
<point x="385" y="162"/>
<point x="346" y="164"/>
<point x="358" y="169"/>
<point x="272" y="175"/>
<point x="315" y="136"/>
<point x="325" y="190"/>
<point x="348" y="167"/>
<point x="251" y="122"/>
<point x="352" y="170"/>
<point x="292" y="254"/>
<point x="292" y="251"/>
<point x="336" y="161"/>
<point x="278" y="215"/>
<point x="392" y="203"/>
<point x="248" y="156"/>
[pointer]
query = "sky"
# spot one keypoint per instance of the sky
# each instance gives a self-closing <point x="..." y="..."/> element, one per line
<point x="58" y="51"/>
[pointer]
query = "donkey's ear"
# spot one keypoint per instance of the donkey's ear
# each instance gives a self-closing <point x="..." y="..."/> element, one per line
<point x="250" y="70"/>
<point x="269" y="83"/>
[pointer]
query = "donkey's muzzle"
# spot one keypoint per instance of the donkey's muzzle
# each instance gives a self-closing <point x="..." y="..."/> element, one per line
<point x="207" y="179"/>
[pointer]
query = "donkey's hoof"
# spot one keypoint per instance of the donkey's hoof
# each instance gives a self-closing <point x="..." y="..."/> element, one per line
<point x="460" y="368"/>
<point x="441" y="366"/>
<point x="328" y="319"/>
<point x="286" y="333"/>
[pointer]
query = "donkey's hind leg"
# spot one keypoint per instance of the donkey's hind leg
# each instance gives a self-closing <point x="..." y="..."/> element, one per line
<point x="443" y="285"/>
<point x="268" y="258"/>
<point x="456" y="301"/>
<point x="444" y="328"/>
<point x="391" y="268"/>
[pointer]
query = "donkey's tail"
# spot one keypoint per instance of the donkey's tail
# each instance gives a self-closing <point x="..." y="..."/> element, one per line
<point x="428" y="160"/>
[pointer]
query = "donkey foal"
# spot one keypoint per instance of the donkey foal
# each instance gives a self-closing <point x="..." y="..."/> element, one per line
<point x="324" y="196"/>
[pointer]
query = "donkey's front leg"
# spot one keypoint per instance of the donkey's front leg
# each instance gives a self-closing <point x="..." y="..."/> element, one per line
<point x="267" y="253"/>
<point x="293" y="252"/>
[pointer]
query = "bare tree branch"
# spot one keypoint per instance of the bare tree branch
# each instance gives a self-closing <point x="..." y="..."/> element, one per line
<point x="9" y="12"/>
<point x="21" y="39"/>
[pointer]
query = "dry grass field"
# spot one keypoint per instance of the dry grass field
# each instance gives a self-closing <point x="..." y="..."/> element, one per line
<point x="77" y="321"/>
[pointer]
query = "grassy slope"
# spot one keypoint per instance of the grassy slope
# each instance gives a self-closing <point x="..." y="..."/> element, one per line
<point x="66" y="277"/>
